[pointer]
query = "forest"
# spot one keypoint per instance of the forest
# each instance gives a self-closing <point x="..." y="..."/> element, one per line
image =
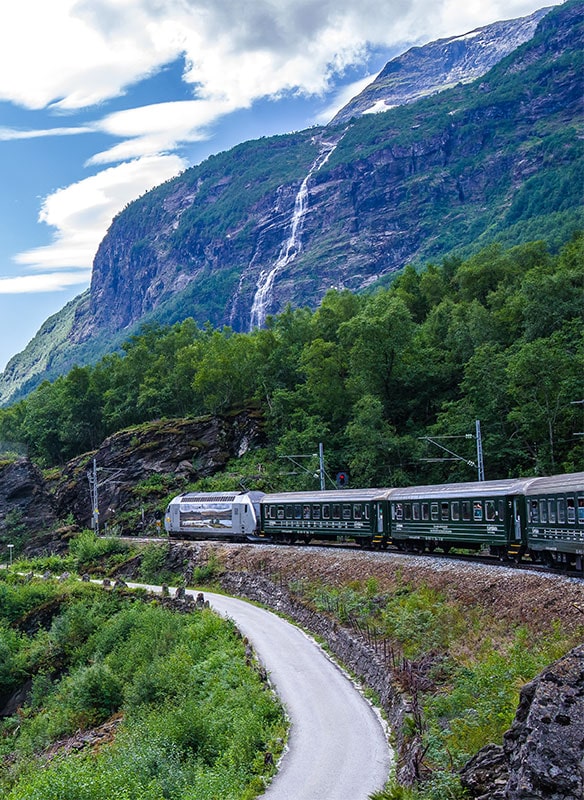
<point x="496" y="338"/>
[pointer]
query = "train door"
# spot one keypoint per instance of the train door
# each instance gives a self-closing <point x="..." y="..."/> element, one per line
<point x="517" y="524"/>
<point x="517" y="531"/>
<point x="379" y="519"/>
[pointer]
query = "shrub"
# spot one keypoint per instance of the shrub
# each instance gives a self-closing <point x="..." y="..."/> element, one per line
<point x="88" y="548"/>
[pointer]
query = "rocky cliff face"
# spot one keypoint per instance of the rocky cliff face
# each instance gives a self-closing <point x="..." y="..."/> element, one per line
<point x="283" y="219"/>
<point x="541" y="757"/>
<point x="337" y="206"/>
<point x="423" y="71"/>
<point x="140" y="467"/>
<point x="25" y="503"/>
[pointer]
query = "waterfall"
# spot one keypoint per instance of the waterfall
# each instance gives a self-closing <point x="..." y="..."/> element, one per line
<point x="291" y="246"/>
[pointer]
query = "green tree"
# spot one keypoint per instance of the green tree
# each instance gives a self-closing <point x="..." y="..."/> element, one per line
<point x="369" y="443"/>
<point x="545" y="377"/>
<point x="377" y="340"/>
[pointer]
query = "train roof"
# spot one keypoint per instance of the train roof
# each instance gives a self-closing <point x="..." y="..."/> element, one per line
<point x="573" y="481"/>
<point x="330" y="495"/>
<point x="215" y="497"/>
<point x="498" y="488"/>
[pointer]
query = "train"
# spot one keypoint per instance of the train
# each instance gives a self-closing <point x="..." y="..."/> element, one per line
<point x="541" y="519"/>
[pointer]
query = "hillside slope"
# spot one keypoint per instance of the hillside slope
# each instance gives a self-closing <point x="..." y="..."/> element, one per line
<point x="283" y="219"/>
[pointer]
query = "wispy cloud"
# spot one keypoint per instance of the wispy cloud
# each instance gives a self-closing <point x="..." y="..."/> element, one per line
<point x="82" y="212"/>
<point x="44" y="282"/>
<point x="12" y="134"/>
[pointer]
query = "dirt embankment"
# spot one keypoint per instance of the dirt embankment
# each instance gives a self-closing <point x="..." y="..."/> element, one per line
<point x="518" y="596"/>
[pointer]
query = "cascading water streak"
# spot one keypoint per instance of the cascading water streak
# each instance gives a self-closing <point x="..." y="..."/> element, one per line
<point x="291" y="246"/>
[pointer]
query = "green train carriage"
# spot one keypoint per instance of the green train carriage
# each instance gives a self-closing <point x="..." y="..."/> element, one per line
<point x="472" y="516"/>
<point x="555" y="520"/>
<point x="356" y="514"/>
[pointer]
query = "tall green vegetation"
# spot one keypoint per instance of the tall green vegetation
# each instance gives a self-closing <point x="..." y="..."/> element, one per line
<point x="497" y="337"/>
<point x="190" y="718"/>
<point x="462" y="665"/>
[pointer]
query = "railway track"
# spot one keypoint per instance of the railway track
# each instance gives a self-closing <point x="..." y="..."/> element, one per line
<point x="460" y="558"/>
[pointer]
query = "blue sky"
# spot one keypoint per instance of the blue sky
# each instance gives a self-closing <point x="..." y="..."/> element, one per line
<point x="100" y="100"/>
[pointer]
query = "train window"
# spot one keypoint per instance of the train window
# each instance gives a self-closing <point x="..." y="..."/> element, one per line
<point x="455" y="511"/>
<point x="445" y="510"/>
<point x="366" y="512"/>
<point x="326" y="512"/>
<point x="416" y="510"/>
<point x="561" y="509"/>
<point x="571" y="510"/>
<point x="466" y="510"/>
<point x="542" y="511"/>
<point x="407" y="510"/>
<point x="315" y="512"/>
<point x="551" y="507"/>
<point x="336" y="511"/>
<point x="289" y="512"/>
<point x="306" y="512"/>
<point x="280" y="512"/>
<point x="434" y="511"/>
<point x="477" y="511"/>
<point x="346" y="511"/>
<point x="581" y="510"/>
<point x="501" y="510"/>
<point x="398" y="511"/>
<point x="425" y="511"/>
<point x="268" y="511"/>
<point x="298" y="511"/>
<point x="490" y="513"/>
<point x="533" y="511"/>
<point x="357" y="511"/>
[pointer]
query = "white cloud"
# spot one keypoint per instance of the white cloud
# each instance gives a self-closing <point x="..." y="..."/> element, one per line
<point x="11" y="134"/>
<point x="76" y="53"/>
<point x="159" y="128"/>
<point x="82" y="212"/>
<point x="44" y="282"/>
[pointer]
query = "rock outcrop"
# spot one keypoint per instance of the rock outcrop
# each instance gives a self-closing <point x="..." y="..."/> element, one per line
<point x="25" y="503"/>
<point x="542" y="756"/>
<point x="140" y="466"/>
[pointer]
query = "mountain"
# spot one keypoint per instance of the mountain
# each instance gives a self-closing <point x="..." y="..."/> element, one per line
<point x="423" y="71"/>
<point x="283" y="219"/>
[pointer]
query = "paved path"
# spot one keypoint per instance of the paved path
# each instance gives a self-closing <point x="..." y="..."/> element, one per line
<point x="338" y="749"/>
